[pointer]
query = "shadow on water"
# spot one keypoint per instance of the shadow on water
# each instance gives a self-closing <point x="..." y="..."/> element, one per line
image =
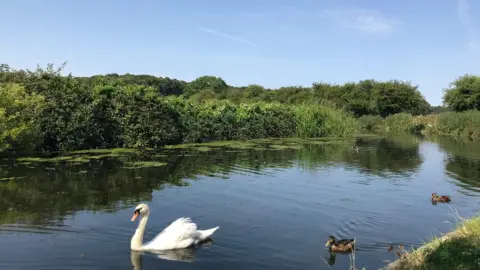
<point x="44" y="193"/>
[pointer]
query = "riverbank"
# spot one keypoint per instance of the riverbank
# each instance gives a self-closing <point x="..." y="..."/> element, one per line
<point x="458" y="249"/>
<point x="464" y="125"/>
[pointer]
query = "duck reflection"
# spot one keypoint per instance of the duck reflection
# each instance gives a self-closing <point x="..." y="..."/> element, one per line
<point x="331" y="259"/>
<point x="183" y="255"/>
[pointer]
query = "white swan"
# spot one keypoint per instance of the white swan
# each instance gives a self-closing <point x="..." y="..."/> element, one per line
<point x="181" y="233"/>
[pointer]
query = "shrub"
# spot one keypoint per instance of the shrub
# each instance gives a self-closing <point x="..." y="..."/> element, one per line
<point x="371" y="123"/>
<point x="464" y="124"/>
<point x="319" y="121"/>
<point x="18" y="114"/>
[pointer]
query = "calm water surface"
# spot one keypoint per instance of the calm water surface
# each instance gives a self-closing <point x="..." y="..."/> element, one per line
<point x="275" y="208"/>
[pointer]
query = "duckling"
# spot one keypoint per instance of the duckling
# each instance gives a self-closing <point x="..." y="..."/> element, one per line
<point x="440" y="198"/>
<point x="343" y="245"/>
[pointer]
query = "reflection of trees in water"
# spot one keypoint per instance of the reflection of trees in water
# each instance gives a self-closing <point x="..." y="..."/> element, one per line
<point x="462" y="161"/>
<point x="466" y="171"/>
<point x="48" y="192"/>
<point x="381" y="156"/>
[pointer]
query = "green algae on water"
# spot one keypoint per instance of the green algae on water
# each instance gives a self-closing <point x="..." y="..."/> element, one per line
<point x="143" y="164"/>
<point x="118" y="151"/>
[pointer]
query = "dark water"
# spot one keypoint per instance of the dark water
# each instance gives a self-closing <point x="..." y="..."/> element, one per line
<point x="275" y="208"/>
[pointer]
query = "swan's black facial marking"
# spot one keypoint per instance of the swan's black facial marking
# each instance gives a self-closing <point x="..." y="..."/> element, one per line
<point x="137" y="211"/>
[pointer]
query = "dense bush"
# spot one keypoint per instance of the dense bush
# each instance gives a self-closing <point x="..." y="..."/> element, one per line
<point x="51" y="112"/>
<point x="367" y="97"/>
<point x="459" y="124"/>
<point x="320" y="121"/>
<point x="371" y="123"/>
<point x="463" y="124"/>
<point x="46" y="111"/>
<point x="463" y="94"/>
<point x="19" y="112"/>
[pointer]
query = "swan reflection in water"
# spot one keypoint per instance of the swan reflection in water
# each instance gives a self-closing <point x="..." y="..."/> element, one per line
<point x="182" y="255"/>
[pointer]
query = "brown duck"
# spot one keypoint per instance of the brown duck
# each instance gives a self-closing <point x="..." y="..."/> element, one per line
<point x="440" y="198"/>
<point x="343" y="245"/>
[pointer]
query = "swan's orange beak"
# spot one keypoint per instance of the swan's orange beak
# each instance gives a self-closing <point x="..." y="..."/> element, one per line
<point x="135" y="215"/>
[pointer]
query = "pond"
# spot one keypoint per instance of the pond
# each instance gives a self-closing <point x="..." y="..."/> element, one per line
<point x="276" y="203"/>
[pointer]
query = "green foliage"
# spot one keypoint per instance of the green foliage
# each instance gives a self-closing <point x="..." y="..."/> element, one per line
<point x="463" y="94"/>
<point x="215" y="84"/>
<point x="396" y="97"/>
<point x="292" y="95"/>
<point x="147" y="120"/>
<point x="162" y="86"/>
<point x="371" y="123"/>
<point x="463" y="124"/>
<point x="458" y="124"/>
<point x="105" y="112"/>
<point x="320" y="121"/>
<point x="360" y="98"/>
<point x="439" y="109"/>
<point x="67" y="121"/>
<point x="401" y="122"/>
<point x="457" y="250"/>
<point x="18" y="112"/>
<point x="367" y="97"/>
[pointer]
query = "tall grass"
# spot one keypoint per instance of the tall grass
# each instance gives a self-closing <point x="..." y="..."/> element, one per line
<point x="320" y="121"/>
<point x="459" y="124"/>
<point x="458" y="249"/>
<point x="462" y="124"/>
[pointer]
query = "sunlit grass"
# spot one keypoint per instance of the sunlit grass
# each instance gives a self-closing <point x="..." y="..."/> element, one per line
<point x="458" y="249"/>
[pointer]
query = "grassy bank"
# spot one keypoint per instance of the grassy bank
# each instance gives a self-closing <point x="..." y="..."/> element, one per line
<point x="459" y="124"/>
<point x="459" y="249"/>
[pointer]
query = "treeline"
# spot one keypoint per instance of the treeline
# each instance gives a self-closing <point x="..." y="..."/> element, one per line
<point x="368" y="97"/>
<point x="460" y="118"/>
<point x="42" y="110"/>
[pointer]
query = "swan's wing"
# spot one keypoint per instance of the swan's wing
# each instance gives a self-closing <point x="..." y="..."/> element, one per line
<point x="179" y="234"/>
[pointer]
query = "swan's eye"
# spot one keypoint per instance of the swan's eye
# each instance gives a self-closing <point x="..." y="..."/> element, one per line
<point x="137" y="211"/>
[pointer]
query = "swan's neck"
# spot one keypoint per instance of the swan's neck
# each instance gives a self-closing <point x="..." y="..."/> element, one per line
<point x="137" y="238"/>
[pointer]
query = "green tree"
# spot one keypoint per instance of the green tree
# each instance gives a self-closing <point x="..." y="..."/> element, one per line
<point x="463" y="94"/>
<point x="397" y="96"/>
<point x="360" y="98"/>
<point x="147" y="120"/>
<point x="216" y="84"/>
<point x="19" y="112"/>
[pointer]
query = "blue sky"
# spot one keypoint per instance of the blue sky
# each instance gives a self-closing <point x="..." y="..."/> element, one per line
<point x="269" y="42"/>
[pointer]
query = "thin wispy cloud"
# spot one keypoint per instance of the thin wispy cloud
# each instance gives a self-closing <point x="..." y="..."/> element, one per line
<point x="362" y="20"/>
<point x="227" y="36"/>
<point x="463" y="12"/>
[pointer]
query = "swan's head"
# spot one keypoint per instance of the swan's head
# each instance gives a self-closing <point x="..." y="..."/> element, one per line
<point x="141" y="209"/>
